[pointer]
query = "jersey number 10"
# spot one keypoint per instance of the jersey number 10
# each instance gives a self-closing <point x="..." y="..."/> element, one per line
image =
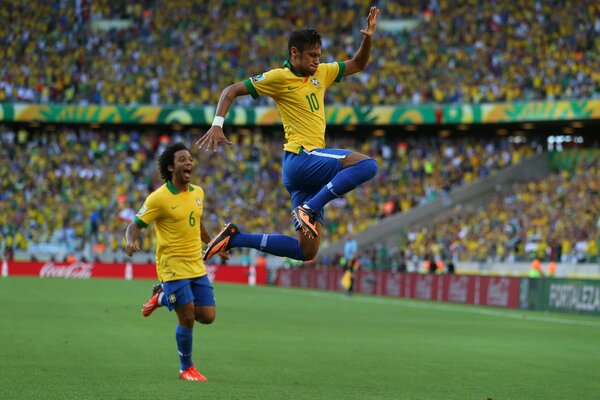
<point x="313" y="102"/>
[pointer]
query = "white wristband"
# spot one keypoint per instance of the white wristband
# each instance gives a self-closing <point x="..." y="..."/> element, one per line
<point x="218" y="121"/>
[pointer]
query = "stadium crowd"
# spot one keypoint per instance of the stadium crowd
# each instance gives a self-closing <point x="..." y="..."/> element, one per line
<point x="78" y="187"/>
<point x="185" y="52"/>
<point x="555" y="219"/>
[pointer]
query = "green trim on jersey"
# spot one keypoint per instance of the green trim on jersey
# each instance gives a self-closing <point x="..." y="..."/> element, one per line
<point x="174" y="190"/>
<point x="177" y="217"/>
<point x="338" y="78"/>
<point x="140" y="223"/>
<point x="288" y="64"/>
<point x="251" y="89"/>
<point x="300" y="101"/>
<point x="340" y="74"/>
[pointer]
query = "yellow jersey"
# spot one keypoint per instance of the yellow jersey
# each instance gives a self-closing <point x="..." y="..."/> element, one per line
<point x="300" y="101"/>
<point x="176" y="217"/>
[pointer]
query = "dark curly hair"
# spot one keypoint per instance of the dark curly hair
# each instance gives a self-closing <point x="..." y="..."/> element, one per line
<point x="304" y="39"/>
<point x="168" y="158"/>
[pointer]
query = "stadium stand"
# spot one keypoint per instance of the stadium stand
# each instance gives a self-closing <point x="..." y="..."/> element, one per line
<point x="103" y="174"/>
<point x="147" y="52"/>
<point x="71" y="189"/>
<point x="553" y="219"/>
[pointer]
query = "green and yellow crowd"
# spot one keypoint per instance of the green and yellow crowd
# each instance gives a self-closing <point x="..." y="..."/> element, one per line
<point x="185" y="52"/>
<point x="80" y="187"/>
<point x="552" y="219"/>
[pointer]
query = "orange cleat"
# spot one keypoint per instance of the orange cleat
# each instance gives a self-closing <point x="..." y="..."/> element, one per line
<point x="192" y="374"/>
<point x="221" y="241"/>
<point x="307" y="219"/>
<point x="153" y="303"/>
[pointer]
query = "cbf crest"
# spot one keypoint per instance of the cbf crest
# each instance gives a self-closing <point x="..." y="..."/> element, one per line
<point x="198" y="202"/>
<point x="315" y="82"/>
<point x="258" y="78"/>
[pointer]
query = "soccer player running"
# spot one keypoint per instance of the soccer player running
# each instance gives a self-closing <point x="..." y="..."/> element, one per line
<point x="176" y="208"/>
<point x="312" y="174"/>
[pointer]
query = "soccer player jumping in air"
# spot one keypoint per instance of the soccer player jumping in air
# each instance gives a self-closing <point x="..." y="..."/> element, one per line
<point x="176" y="209"/>
<point x="313" y="174"/>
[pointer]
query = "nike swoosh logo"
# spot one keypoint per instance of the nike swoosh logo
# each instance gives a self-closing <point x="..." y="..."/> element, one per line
<point x="291" y="88"/>
<point x="174" y="207"/>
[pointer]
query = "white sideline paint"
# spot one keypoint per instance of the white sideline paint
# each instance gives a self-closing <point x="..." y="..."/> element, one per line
<point x="432" y="305"/>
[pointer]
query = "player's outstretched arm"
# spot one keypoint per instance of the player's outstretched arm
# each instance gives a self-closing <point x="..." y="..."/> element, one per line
<point x="215" y="136"/>
<point x="131" y="235"/>
<point x="361" y="58"/>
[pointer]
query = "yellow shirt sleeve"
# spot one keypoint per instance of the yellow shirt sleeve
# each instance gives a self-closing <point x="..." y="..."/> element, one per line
<point x="149" y="211"/>
<point x="269" y="83"/>
<point x="334" y="72"/>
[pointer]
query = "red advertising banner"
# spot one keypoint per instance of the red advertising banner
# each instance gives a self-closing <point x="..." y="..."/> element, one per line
<point x="84" y="270"/>
<point x="466" y="289"/>
<point x="499" y="291"/>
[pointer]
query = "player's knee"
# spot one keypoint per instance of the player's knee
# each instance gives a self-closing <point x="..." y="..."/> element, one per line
<point x="205" y="320"/>
<point x="187" y="320"/>
<point x="309" y="253"/>
<point x="371" y="167"/>
<point x="205" y="317"/>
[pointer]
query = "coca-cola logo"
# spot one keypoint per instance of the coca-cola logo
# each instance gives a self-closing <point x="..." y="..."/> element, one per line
<point x="76" y="270"/>
<point x="393" y="285"/>
<point x="498" y="292"/>
<point x="424" y="287"/>
<point x="457" y="292"/>
<point x="303" y="278"/>
<point x="284" y="277"/>
<point x="367" y="283"/>
<point x="321" y="280"/>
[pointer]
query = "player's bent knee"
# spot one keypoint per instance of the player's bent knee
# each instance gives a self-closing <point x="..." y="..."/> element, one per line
<point x="309" y="247"/>
<point x="186" y="315"/>
<point x="309" y="254"/>
<point x="205" y="320"/>
<point x="205" y="317"/>
<point x="371" y="167"/>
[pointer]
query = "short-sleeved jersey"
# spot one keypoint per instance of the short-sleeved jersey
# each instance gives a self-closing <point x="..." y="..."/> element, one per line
<point x="300" y="101"/>
<point x="176" y="217"/>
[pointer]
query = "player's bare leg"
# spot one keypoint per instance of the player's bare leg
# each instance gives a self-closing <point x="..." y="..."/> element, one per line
<point x="310" y="246"/>
<point x="353" y="158"/>
<point x="205" y="314"/>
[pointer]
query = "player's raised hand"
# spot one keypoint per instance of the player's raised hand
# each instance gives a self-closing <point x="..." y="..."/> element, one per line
<point x="212" y="138"/>
<point x="371" y="22"/>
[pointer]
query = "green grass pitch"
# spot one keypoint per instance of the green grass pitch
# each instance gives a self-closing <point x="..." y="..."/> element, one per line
<point x="86" y="339"/>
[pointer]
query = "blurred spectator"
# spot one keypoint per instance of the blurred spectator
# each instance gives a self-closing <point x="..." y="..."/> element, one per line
<point x="350" y="249"/>
<point x="551" y="269"/>
<point x="535" y="271"/>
